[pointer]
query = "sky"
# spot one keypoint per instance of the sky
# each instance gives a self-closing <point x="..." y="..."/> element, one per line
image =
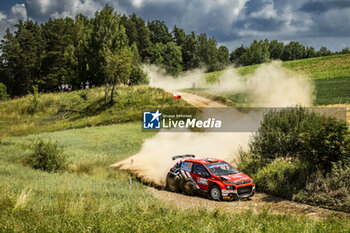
<point x="232" y="22"/>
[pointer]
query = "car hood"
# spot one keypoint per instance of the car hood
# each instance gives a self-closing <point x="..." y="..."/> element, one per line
<point x="239" y="177"/>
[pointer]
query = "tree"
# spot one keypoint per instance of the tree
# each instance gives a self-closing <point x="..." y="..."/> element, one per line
<point x="58" y="34"/>
<point x="276" y="49"/>
<point x="167" y="56"/>
<point x="118" y="69"/>
<point x="159" y="32"/>
<point x="144" y="35"/>
<point x="10" y="64"/>
<point x="310" y="52"/>
<point x="223" y="56"/>
<point x="257" y="53"/>
<point x="345" y="51"/>
<point x="293" y="51"/>
<point x="106" y="33"/>
<point x="179" y="36"/>
<point x="237" y="53"/>
<point x="3" y="92"/>
<point x="324" y="51"/>
<point x="191" y="52"/>
<point x="22" y="54"/>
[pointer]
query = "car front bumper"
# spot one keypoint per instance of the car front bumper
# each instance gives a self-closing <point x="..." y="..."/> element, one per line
<point x="227" y="193"/>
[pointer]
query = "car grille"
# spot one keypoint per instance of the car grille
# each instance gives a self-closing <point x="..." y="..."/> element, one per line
<point x="244" y="190"/>
<point x="242" y="182"/>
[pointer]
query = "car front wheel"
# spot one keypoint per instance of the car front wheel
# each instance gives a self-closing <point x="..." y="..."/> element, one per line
<point x="215" y="193"/>
<point x="172" y="183"/>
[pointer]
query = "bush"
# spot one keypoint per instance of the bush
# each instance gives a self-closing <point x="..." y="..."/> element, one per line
<point x="283" y="178"/>
<point x="296" y="132"/>
<point x="33" y="100"/>
<point x="3" y="92"/>
<point x="46" y="156"/>
<point x="138" y="76"/>
<point x="249" y="163"/>
<point x="332" y="189"/>
<point x="297" y="154"/>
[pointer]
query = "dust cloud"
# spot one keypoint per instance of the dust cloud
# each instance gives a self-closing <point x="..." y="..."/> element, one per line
<point x="270" y="85"/>
<point x="153" y="162"/>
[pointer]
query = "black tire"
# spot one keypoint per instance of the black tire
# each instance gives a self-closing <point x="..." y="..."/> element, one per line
<point x="189" y="187"/>
<point x="172" y="183"/>
<point x="215" y="193"/>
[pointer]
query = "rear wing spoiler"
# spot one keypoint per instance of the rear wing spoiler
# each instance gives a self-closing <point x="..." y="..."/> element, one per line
<point x="183" y="156"/>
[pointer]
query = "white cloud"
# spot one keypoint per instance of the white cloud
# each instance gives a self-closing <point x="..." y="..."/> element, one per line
<point x="2" y="16"/>
<point x="74" y="7"/>
<point x="43" y="9"/>
<point x="18" y="12"/>
<point x="268" y="12"/>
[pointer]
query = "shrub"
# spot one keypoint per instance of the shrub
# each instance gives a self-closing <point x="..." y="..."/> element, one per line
<point x="46" y="155"/>
<point x="331" y="189"/>
<point x="296" y="132"/>
<point x="283" y="177"/>
<point x="83" y="95"/>
<point x="3" y="92"/>
<point x="138" y="76"/>
<point x="249" y="163"/>
<point x="33" y="100"/>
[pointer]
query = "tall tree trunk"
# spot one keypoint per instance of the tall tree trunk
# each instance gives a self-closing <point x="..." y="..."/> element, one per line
<point x="112" y="92"/>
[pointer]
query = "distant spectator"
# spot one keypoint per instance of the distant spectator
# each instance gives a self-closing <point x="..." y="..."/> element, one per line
<point x="81" y="85"/>
<point x="66" y="87"/>
<point x="87" y="84"/>
<point x="59" y="87"/>
<point x="62" y="87"/>
<point x="70" y="87"/>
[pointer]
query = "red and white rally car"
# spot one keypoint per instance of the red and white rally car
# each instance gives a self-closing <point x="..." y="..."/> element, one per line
<point x="210" y="176"/>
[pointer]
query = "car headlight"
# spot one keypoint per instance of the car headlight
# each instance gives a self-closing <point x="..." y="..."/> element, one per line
<point x="231" y="187"/>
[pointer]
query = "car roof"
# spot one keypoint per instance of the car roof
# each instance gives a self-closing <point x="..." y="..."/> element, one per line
<point x="202" y="160"/>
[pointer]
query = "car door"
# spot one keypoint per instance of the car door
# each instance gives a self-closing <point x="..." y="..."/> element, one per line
<point x="200" y="175"/>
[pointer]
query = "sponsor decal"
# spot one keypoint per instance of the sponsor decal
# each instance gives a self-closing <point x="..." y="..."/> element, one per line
<point x="202" y="181"/>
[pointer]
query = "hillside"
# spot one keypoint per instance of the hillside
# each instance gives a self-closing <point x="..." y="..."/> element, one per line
<point x="33" y="114"/>
<point x="330" y="75"/>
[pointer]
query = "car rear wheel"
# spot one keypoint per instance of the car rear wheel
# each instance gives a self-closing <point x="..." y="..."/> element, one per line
<point x="172" y="183"/>
<point x="215" y="193"/>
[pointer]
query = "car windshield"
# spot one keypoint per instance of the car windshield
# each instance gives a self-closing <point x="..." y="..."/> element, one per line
<point x="221" y="169"/>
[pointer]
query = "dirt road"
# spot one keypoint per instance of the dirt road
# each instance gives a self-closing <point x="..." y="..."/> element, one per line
<point x="257" y="203"/>
<point x="199" y="101"/>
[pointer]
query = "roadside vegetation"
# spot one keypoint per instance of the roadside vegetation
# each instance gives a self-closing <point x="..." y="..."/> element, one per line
<point x="90" y="196"/>
<point x="39" y="112"/>
<point x="303" y="156"/>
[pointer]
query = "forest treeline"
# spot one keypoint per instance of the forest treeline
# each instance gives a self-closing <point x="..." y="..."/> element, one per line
<point x="109" y="48"/>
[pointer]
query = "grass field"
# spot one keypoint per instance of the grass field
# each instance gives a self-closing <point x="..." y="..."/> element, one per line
<point x="91" y="197"/>
<point x="331" y="77"/>
<point x="29" y="115"/>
